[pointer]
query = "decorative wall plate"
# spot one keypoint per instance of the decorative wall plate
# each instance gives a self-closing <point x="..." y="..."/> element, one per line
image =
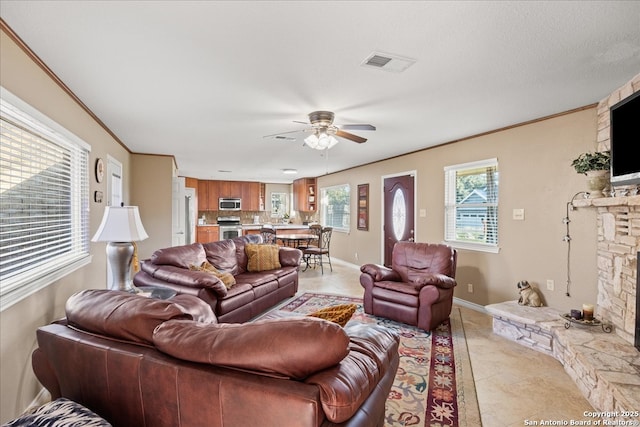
<point x="99" y="170"/>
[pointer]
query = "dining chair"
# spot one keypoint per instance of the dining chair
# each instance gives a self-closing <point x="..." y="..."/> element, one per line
<point x="316" y="230"/>
<point x="268" y="235"/>
<point x="317" y="253"/>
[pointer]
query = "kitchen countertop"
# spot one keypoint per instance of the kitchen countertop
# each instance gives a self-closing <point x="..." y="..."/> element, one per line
<point x="275" y="226"/>
<point x="259" y="226"/>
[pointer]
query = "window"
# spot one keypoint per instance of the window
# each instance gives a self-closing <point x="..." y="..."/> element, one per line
<point x="279" y="205"/>
<point x="44" y="200"/>
<point x="335" y="208"/>
<point x="471" y="205"/>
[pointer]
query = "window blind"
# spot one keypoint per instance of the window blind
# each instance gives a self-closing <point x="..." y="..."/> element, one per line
<point x="471" y="203"/>
<point x="44" y="198"/>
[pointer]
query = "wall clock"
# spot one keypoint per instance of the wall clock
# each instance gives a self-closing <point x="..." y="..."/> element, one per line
<point x="99" y="170"/>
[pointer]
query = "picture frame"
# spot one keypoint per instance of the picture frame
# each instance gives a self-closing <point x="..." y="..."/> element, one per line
<point x="363" y="207"/>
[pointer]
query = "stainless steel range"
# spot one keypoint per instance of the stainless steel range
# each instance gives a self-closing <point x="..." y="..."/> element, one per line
<point x="230" y="227"/>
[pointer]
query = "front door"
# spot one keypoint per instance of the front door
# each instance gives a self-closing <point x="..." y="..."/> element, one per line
<point x="399" y="221"/>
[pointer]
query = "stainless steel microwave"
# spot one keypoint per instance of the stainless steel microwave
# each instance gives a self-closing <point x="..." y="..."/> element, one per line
<point x="229" y="204"/>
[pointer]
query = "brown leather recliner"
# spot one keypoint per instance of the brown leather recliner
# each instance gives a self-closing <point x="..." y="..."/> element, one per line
<point x="417" y="289"/>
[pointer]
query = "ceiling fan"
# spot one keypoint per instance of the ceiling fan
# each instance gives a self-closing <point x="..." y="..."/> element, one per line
<point x="324" y="132"/>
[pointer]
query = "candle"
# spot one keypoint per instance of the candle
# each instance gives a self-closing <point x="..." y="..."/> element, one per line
<point x="576" y="314"/>
<point x="587" y="311"/>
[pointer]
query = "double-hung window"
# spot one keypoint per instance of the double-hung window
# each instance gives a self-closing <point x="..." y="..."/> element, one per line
<point x="471" y="205"/>
<point x="335" y="205"/>
<point x="44" y="200"/>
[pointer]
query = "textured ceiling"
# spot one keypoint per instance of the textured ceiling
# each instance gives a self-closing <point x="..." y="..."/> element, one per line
<point x="205" y="80"/>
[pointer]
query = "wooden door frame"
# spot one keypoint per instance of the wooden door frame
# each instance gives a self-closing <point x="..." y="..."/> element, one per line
<point x="414" y="174"/>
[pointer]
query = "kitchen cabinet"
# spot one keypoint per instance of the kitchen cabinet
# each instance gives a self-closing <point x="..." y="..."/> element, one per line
<point x="207" y="233"/>
<point x="230" y="189"/>
<point x="305" y="195"/>
<point x="213" y="192"/>
<point x="251" y="196"/>
<point x="203" y="195"/>
<point x="190" y="182"/>
<point x="251" y="193"/>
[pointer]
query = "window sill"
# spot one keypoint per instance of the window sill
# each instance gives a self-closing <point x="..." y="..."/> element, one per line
<point x="18" y="294"/>
<point x="478" y="247"/>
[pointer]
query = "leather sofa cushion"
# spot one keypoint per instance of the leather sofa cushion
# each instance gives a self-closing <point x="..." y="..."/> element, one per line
<point x="292" y="348"/>
<point x="344" y="387"/>
<point x="185" y="277"/>
<point x="241" y="254"/>
<point x="199" y="310"/>
<point x="439" y="280"/>
<point x="222" y="255"/>
<point x="180" y="256"/>
<point x="128" y="316"/>
<point x="412" y="260"/>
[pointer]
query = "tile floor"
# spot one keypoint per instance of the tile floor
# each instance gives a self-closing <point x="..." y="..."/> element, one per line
<point x="514" y="384"/>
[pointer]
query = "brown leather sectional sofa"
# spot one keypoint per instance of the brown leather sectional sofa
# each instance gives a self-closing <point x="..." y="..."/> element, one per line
<point x="145" y="362"/>
<point x="253" y="293"/>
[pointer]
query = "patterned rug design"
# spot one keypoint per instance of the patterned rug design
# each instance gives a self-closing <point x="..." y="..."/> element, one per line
<point x="434" y="385"/>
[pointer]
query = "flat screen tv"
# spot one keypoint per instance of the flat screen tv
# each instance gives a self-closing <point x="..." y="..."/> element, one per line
<point x="625" y="141"/>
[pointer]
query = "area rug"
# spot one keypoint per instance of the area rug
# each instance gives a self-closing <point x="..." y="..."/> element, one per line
<point x="434" y="385"/>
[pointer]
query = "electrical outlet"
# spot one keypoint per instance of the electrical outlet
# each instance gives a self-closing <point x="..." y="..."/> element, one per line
<point x="550" y="285"/>
<point x="470" y="288"/>
<point x="357" y="256"/>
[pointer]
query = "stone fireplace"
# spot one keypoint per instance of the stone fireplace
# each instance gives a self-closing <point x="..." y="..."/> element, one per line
<point x="604" y="366"/>
<point x="618" y="222"/>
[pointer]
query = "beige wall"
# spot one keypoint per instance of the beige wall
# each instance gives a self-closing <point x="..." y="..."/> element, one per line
<point x="535" y="174"/>
<point x="18" y="323"/>
<point x="149" y="175"/>
<point x="151" y="189"/>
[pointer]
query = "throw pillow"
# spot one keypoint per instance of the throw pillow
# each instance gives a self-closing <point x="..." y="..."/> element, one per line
<point x="262" y="257"/>
<point x="339" y="314"/>
<point x="224" y="276"/>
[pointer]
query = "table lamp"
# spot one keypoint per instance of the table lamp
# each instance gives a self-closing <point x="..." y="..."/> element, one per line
<point x="120" y="227"/>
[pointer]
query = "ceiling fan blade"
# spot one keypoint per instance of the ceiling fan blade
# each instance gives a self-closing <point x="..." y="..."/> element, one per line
<point x="358" y="127"/>
<point x="284" y="133"/>
<point x="298" y="121"/>
<point x="350" y="136"/>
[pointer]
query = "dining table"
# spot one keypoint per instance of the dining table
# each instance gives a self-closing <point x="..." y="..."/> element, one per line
<point x="296" y="239"/>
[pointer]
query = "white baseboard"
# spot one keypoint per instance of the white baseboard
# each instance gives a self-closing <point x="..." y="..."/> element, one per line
<point x="471" y="305"/>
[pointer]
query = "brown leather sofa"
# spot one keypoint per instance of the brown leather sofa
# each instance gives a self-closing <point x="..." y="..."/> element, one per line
<point x="417" y="289"/>
<point x="145" y="362"/>
<point x="253" y="293"/>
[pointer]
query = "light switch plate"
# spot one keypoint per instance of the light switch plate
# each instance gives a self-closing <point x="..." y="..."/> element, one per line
<point x="423" y="213"/>
<point x="518" y="214"/>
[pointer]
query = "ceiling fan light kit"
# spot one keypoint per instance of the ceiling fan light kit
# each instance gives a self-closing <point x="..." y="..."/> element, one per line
<point x="320" y="140"/>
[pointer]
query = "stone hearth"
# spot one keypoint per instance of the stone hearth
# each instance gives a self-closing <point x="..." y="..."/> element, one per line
<point x="604" y="366"/>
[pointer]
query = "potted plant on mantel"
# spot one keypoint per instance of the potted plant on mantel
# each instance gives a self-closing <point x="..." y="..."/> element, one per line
<point x="596" y="167"/>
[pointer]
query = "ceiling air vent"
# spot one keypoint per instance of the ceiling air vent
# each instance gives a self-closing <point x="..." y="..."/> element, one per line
<point x="284" y="138"/>
<point x="388" y="62"/>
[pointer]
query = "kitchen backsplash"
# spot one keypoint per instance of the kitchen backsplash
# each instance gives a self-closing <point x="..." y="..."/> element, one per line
<point x="247" y="217"/>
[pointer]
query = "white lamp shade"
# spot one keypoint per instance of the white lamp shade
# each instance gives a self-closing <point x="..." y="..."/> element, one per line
<point x="120" y="224"/>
